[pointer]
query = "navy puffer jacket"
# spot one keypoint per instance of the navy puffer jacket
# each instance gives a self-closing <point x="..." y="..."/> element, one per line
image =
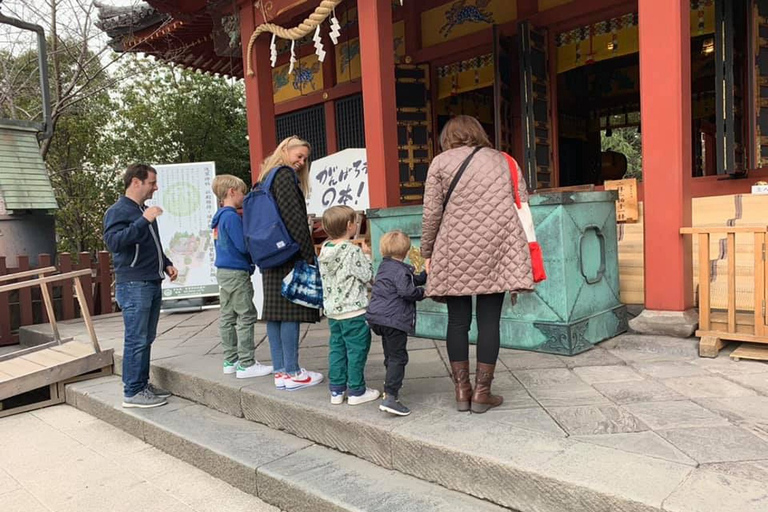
<point x="395" y="292"/>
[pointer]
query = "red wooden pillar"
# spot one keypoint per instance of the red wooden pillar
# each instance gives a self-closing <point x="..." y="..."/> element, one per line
<point x="378" y="69"/>
<point x="259" y="101"/>
<point x="665" y="91"/>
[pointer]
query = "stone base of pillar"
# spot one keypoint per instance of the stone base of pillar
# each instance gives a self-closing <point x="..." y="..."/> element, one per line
<point x="680" y="324"/>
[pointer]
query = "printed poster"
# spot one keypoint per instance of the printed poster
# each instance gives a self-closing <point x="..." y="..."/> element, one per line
<point x="184" y="193"/>
<point x="339" y="179"/>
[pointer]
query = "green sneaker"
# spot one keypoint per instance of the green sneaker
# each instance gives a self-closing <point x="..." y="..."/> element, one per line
<point x="230" y="368"/>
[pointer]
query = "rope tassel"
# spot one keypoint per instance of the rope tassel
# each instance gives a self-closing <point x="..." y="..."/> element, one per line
<point x="293" y="57"/>
<point x="320" y="14"/>
<point x="273" y="51"/>
<point x="319" y="45"/>
<point x="335" y="28"/>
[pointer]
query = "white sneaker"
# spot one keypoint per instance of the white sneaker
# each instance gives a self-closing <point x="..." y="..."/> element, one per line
<point x="257" y="370"/>
<point x="230" y="368"/>
<point x="369" y="396"/>
<point x="280" y="380"/>
<point x="337" y="397"/>
<point x="304" y="379"/>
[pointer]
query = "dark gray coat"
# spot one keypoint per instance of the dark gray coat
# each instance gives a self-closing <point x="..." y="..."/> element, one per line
<point x="395" y="293"/>
<point x="293" y="211"/>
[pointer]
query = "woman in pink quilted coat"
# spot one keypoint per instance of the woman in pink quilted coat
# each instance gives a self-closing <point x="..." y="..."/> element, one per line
<point x="476" y="246"/>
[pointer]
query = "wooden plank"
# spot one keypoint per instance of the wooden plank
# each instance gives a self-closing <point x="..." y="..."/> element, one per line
<point x="28" y="273"/>
<point x="723" y="229"/>
<point x="57" y="397"/>
<point x="45" y="376"/>
<point x="22" y="352"/>
<point x="85" y="313"/>
<point x="48" y="302"/>
<point x="74" y="348"/>
<point x="84" y="262"/>
<point x="731" y="256"/>
<point x="6" y="336"/>
<point x="25" y="296"/>
<point x="750" y="351"/>
<point x="104" y="278"/>
<point x="760" y="291"/>
<point x="19" y="367"/>
<point x="48" y="357"/>
<point x="67" y="296"/>
<point x="709" y="346"/>
<point x="733" y="336"/>
<point x="48" y="279"/>
<point x="704" y="298"/>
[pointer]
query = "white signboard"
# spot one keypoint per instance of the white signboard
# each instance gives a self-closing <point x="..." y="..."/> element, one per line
<point x="340" y="178"/>
<point x="184" y="193"/>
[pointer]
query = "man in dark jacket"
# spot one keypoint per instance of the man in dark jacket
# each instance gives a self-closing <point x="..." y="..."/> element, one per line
<point x="130" y="232"/>
<point x="392" y="313"/>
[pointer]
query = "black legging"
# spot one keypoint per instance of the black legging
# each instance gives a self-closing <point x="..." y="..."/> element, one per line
<point x="488" y="319"/>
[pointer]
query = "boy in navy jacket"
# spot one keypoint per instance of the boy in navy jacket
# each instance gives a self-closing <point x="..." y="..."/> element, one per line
<point x="392" y="313"/>
<point x="233" y="272"/>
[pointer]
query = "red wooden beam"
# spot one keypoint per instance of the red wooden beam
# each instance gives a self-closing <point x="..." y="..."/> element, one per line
<point x="260" y="107"/>
<point x="315" y="98"/>
<point x="665" y="77"/>
<point x="378" y="77"/>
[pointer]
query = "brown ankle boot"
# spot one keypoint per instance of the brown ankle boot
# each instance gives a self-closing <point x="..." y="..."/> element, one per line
<point x="482" y="399"/>
<point x="460" y="371"/>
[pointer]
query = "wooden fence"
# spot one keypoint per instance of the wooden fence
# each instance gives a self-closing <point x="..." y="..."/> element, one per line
<point x="25" y="307"/>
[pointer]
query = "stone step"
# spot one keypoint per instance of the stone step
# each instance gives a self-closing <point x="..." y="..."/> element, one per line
<point x="504" y="457"/>
<point x="291" y="473"/>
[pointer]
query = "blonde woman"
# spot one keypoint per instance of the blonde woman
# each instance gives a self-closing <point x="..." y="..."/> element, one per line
<point x="289" y="188"/>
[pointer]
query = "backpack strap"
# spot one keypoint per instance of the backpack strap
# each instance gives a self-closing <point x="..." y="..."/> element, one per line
<point x="513" y="171"/>
<point x="456" y="178"/>
<point x="267" y="183"/>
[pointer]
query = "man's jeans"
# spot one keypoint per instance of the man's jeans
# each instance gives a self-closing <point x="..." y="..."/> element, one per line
<point x="140" y="303"/>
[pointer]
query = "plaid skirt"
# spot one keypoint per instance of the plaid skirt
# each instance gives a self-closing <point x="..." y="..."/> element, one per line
<point x="276" y="307"/>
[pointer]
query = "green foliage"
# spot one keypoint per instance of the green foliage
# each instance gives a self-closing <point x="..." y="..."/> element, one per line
<point x="142" y="111"/>
<point x="628" y="142"/>
<point x="172" y="116"/>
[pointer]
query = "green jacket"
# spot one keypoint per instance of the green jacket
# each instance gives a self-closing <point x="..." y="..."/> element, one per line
<point x="346" y="272"/>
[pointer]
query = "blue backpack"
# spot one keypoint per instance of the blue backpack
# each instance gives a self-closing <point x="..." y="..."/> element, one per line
<point x="266" y="236"/>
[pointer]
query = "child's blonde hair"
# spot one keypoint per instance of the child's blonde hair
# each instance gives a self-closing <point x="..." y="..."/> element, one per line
<point x="336" y="219"/>
<point x="223" y="182"/>
<point x="395" y="244"/>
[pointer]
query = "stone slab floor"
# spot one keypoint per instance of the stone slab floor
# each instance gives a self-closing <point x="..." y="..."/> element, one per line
<point x="61" y="459"/>
<point x="638" y="394"/>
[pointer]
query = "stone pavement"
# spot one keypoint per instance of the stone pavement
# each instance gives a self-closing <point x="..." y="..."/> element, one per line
<point x="640" y="418"/>
<point x="61" y="459"/>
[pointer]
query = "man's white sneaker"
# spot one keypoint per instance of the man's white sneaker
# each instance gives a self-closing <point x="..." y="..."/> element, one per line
<point x="337" y="397"/>
<point x="304" y="379"/>
<point x="230" y="368"/>
<point x="280" y="380"/>
<point x="256" y="370"/>
<point x="369" y="396"/>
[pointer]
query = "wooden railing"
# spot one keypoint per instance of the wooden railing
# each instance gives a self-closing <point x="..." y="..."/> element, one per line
<point x="716" y="326"/>
<point x="27" y="305"/>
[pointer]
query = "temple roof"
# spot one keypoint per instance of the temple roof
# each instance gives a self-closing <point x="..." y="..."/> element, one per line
<point x="192" y="34"/>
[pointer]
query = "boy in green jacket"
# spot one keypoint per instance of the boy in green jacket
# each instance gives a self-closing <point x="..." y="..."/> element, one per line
<point x="346" y="271"/>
